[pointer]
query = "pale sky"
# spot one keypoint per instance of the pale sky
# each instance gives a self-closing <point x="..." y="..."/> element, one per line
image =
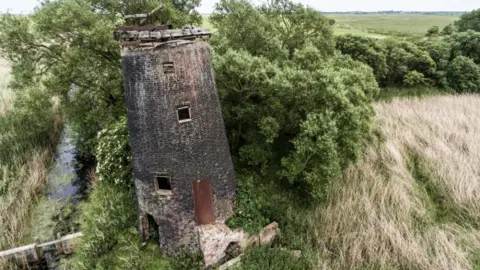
<point x="26" y="6"/>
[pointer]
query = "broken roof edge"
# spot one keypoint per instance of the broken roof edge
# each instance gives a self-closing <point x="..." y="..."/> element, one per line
<point x="130" y="35"/>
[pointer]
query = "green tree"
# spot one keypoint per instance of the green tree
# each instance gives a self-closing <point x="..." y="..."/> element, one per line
<point x="67" y="44"/>
<point x="300" y="115"/>
<point x="365" y="50"/>
<point x="469" y="21"/>
<point x="404" y="57"/>
<point x="448" y="30"/>
<point x="274" y="30"/>
<point x="433" y="31"/>
<point x="440" y="51"/>
<point x="464" y="75"/>
<point x="465" y="44"/>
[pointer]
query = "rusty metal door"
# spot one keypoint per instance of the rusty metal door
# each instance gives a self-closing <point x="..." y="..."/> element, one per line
<point x="203" y="203"/>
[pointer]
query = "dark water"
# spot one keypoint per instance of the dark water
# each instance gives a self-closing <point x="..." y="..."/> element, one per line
<point x="63" y="179"/>
<point x="66" y="184"/>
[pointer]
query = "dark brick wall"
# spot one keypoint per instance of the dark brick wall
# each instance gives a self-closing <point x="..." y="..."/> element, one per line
<point x="186" y="152"/>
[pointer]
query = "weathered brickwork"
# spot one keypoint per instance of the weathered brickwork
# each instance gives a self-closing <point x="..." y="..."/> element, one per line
<point x="161" y="145"/>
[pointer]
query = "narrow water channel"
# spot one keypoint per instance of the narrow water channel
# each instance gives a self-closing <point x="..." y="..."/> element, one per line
<point x="63" y="180"/>
<point x="56" y="214"/>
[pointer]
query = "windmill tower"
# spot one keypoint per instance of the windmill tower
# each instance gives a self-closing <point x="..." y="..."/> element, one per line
<point x="183" y="170"/>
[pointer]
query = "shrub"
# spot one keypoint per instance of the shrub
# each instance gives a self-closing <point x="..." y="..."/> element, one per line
<point x="108" y="214"/>
<point x="466" y="44"/>
<point x="433" y="31"/>
<point x="366" y="50"/>
<point x="469" y="21"/>
<point x="308" y="117"/>
<point x="448" y="30"/>
<point x="463" y="75"/>
<point x="113" y="154"/>
<point x="272" y="259"/>
<point x="248" y="205"/>
<point x="414" y="78"/>
<point x="404" y="57"/>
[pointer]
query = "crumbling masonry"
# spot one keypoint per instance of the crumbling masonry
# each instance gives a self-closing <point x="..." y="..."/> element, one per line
<point x="183" y="170"/>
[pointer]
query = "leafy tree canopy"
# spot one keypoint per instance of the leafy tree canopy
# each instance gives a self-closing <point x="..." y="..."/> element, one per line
<point x="67" y="44"/>
<point x="274" y="30"/>
<point x="433" y="31"/>
<point x="404" y="57"/>
<point x="300" y="113"/>
<point x="466" y="44"/>
<point x="366" y="50"/>
<point x="469" y="21"/>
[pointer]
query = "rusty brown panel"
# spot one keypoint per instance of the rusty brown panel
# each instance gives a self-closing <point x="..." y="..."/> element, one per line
<point x="203" y="203"/>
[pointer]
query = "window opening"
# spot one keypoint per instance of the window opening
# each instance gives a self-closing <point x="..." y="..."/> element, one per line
<point x="162" y="182"/>
<point x="168" y="68"/>
<point x="184" y="114"/>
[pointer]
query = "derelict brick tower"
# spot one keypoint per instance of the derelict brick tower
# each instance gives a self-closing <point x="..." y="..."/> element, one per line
<point x="183" y="170"/>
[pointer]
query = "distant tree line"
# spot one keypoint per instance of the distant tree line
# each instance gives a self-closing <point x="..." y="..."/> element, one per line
<point x="448" y="59"/>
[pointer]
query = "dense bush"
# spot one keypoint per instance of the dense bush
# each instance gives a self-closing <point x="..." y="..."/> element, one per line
<point x="33" y="124"/>
<point x="113" y="154"/>
<point x="366" y="50"/>
<point x="465" y="44"/>
<point x="68" y="44"/>
<point x="110" y="238"/>
<point x="469" y="21"/>
<point x="404" y="57"/>
<point x="433" y="31"/>
<point x="272" y="259"/>
<point x="414" y="78"/>
<point x="248" y="205"/>
<point x="304" y="114"/>
<point x="464" y="75"/>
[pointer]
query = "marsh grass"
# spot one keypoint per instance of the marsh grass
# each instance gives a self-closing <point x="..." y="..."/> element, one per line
<point x="392" y="24"/>
<point x="29" y="131"/>
<point x="413" y="202"/>
<point x="6" y="95"/>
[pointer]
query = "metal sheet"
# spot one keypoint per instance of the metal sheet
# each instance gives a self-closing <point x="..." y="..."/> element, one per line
<point x="203" y="203"/>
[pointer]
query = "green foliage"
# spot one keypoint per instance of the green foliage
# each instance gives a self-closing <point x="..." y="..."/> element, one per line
<point x="448" y="30"/>
<point x="266" y="106"/>
<point x="113" y="154"/>
<point x="465" y="44"/>
<point x="110" y="241"/>
<point x="404" y="57"/>
<point x="366" y="50"/>
<point x="464" y="75"/>
<point x="414" y="78"/>
<point x="469" y="21"/>
<point x="274" y="30"/>
<point x="433" y="31"/>
<point x="272" y="259"/>
<point x="68" y="44"/>
<point x="108" y="213"/>
<point x="28" y="127"/>
<point x="248" y="205"/>
<point x="187" y="261"/>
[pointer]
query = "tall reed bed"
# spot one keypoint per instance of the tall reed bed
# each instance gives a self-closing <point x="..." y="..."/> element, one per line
<point x="29" y="130"/>
<point x="413" y="201"/>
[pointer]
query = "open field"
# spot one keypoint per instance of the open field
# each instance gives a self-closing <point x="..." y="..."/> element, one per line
<point x="380" y="25"/>
<point x="391" y="24"/>
<point x="413" y="201"/>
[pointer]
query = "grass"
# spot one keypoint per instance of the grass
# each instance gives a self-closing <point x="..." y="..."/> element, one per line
<point x="413" y="201"/>
<point x="6" y="95"/>
<point x="392" y="24"/>
<point x="344" y="31"/>
<point x="30" y="128"/>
